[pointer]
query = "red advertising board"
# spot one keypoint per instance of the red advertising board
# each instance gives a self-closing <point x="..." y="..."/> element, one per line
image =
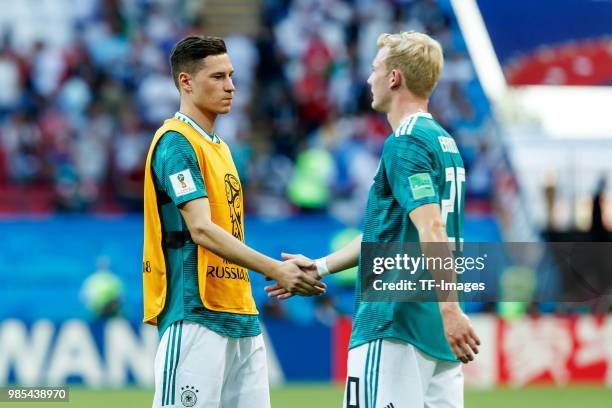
<point x="531" y="350"/>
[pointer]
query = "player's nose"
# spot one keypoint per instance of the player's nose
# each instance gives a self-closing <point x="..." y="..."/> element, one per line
<point x="229" y="85"/>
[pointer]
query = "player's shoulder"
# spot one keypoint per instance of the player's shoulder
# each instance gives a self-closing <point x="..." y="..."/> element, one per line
<point x="172" y="137"/>
<point x="172" y="141"/>
<point x="172" y="145"/>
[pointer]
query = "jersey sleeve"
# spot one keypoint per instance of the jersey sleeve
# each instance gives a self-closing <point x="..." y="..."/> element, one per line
<point x="176" y="170"/>
<point x="411" y="172"/>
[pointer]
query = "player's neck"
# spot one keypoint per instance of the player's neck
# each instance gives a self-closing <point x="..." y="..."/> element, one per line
<point x="401" y="109"/>
<point x="206" y="120"/>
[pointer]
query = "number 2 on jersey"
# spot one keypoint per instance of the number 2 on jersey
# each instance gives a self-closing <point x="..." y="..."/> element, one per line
<point x="456" y="185"/>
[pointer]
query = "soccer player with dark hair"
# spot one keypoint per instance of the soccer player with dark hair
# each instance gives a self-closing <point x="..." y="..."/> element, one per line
<point x="197" y="289"/>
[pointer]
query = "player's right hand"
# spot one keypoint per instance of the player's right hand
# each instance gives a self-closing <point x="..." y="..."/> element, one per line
<point x="291" y="279"/>
<point x="310" y="268"/>
<point x="459" y="332"/>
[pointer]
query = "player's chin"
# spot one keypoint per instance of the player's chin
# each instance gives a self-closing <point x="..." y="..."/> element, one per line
<point x="376" y="106"/>
<point x="379" y="105"/>
<point x="225" y="108"/>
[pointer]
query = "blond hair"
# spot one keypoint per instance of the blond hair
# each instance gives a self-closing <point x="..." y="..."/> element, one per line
<point x="417" y="56"/>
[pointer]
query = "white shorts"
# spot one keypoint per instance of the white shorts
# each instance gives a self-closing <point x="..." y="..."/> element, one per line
<point x="388" y="373"/>
<point x="197" y="367"/>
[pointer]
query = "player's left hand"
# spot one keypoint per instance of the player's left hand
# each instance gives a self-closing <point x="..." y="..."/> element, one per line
<point x="276" y="291"/>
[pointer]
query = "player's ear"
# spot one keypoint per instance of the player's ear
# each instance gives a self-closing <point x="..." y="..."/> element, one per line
<point x="184" y="80"/>
<point x="395" y="79"/>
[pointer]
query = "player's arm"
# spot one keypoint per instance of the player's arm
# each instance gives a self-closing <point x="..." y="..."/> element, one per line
<point x="209" y="235"/>
<point x="344" y="258"/>
<point x="412" y="174"/>
<point x="177" y="173"/>
<point x="434" y="242"/>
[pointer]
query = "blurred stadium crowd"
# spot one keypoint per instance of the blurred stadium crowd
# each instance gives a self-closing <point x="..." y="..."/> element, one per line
<point x="85" y="84"/>
<point x="85" y="87"/>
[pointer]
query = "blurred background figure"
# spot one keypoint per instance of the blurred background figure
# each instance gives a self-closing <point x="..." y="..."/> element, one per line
<point x="102" y="291"/>
<point x="599" y="230"/>
<point x="550" y="198"/>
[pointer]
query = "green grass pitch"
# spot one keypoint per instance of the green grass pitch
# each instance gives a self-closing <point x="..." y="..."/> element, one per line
<point x="326" y="395"/>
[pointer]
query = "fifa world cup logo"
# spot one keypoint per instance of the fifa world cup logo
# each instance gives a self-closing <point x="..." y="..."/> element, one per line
<point x="181" y="179"/>
<point x="232" y="193"/>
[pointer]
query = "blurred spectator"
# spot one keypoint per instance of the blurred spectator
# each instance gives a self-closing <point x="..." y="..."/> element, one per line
<point x="10" y="81"/>
<point x="309" y="187"/>
<point x="21" y="141"/>
<point x="129" y="152"/>
<point x="482" y="173"/>
<point x="102" y="291"/>
<point x="48" y="69"/>
<point x="550" y="199"/>
<point x="599" y="232"/>
<point x="325" y="310"/>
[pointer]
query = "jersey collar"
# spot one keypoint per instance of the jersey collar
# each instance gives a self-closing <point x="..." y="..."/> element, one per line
<point x="415" y="115"/>
<point x="184" y="118"/>
<point x="408" y="122"/>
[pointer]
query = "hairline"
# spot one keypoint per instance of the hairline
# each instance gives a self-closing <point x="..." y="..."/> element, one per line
<point x="198" y="66"/>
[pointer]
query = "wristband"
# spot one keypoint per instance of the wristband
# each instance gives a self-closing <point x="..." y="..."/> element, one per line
<point x="322" y="268"/>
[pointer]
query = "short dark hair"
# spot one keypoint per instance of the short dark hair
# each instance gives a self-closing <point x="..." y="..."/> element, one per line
<point x="188" y="53"/>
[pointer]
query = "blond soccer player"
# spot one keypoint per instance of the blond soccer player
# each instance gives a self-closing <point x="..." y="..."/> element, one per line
<point x="405" y="355"/>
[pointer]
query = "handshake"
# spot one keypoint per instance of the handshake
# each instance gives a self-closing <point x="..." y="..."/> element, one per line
<point x="298" y="275"/>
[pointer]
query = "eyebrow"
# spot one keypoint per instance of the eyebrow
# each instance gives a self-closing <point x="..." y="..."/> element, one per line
<point x="221" y="73"/>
